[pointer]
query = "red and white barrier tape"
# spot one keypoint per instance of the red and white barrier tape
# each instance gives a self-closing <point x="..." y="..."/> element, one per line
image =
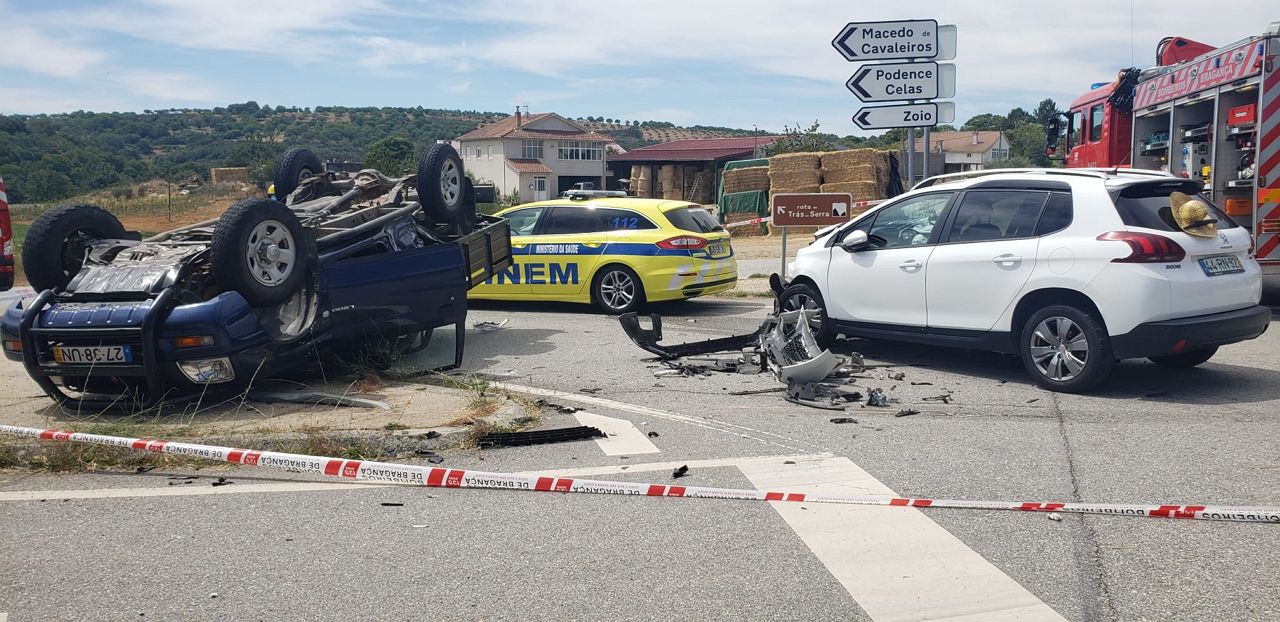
<point x="756" y="221"/>
<point x="458" y="478"/>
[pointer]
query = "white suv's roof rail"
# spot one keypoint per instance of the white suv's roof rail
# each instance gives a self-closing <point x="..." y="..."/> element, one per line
<point x="936" y="179"/>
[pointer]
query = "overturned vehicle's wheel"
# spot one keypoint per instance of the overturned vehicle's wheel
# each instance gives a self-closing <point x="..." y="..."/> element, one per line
<point x="56" y="243"/>
<point x="441" y="184"/>
<point x="258" y="250"/>
<point x="293" y="168"/>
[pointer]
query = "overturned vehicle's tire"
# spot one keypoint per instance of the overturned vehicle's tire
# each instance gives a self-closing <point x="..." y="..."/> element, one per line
<point x="55" y="247"/>
<point x="259" y="250"/>
<point x="295" y="166"/>
<point x="441" y="184"/>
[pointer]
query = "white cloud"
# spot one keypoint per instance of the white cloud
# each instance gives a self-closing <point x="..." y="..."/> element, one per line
<point x="19" y="100"/>
<point x="23" y="47"/>
<point x="293" y="30"/>
<point x="169" y="86"/>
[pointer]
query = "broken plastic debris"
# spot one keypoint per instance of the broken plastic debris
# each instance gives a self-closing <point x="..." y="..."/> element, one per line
<point x="222" y="481"/>
<point x="876" y="397"/>
<point x="653" y="434"/>
<point x="680" y="472"/>
<point x="391" y="504"/>
<point x="1054" y="516"/>
<point x="430" y="456"/>
<point x="907" y="412"/>
<point x="897" y="375"/>
<point x="484" y="327"/>
<point x="842" y="420"/>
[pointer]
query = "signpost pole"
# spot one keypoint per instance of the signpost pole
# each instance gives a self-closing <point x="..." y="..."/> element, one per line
<point x="911" y="156"/>
<point x="783" y="272"/>
<point x="926" y="150"/>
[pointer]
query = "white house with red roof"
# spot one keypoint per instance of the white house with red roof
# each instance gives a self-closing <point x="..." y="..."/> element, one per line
<point x="537" y="155"/>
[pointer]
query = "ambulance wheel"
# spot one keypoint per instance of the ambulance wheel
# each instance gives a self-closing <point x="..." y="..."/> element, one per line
<point x="617" y="290"/>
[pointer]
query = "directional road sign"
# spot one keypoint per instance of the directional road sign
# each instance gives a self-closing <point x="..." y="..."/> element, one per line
<point x="905" y="115"/>
<point x="899" y="81"/>
<point x="902" y="39"/>
<point x="811" y="209"/>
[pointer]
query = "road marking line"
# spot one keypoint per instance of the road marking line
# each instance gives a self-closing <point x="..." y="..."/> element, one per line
<point x="622" y="437"/>
<point x="709" y="424"/>
<point x="895" y="562"/>
<point x="645" y="467"/>
<point x="197" y="488"/>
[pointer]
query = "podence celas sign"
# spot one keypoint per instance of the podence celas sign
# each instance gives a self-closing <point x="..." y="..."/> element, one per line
<point x="897" y="81"/>
<point x="817" y="209"/>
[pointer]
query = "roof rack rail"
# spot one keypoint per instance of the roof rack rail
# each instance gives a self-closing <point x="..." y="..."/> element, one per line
<point x="1119" y="170"/>
<point x="996" y="171"/>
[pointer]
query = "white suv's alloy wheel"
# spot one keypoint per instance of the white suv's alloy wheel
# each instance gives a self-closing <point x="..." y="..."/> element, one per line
<point x="1059" y="348"/>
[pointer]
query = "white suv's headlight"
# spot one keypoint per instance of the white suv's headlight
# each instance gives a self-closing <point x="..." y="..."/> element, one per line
<point x="208" y="371"/>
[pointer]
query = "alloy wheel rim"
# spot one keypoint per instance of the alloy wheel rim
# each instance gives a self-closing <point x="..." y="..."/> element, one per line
<point x="450" y="182"/>
<point x="270" y="253"/>
<point x="1059" y="348"/>
<point x="617" y="289"/>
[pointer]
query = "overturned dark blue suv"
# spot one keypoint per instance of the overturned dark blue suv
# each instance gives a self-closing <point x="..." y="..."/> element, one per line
<point x="332" y="262"/>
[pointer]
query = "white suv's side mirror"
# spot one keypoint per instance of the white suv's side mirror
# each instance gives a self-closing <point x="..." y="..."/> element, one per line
<point x="855" y="241"/>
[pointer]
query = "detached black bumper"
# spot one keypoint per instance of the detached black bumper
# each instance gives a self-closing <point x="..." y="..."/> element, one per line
<point x="1192" y="333"/>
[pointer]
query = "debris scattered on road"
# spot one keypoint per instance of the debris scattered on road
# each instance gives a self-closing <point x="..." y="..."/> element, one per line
<point x="567" y="410"/>
<point x="822" y="395"/>
<point x="668" y="373"/>
<point x="759" y="391"/>
<point x="431" y="434"/>
<point x="907" y="412"/>
<point x="180" y="483"/>
<point x="945" y="398"/>
<point x="897" y="375"/>
<point x="1054" y="516"/>
<point x="1033" y="400"/>
<point x="591" y="390"/>
<point x="839" y="420"/>
<point x="653" y="434"/>
<point x="145" y="468"/>
<point x="538" y="437"/>
<point x="788" y="462"/>
<point x="222" y="481"/>
<point x="680" y="472"/>
<point x="429" y="456"/>
<point x="484" y="327"/>
<point x="213" y="595"/>
<point x="391" y="504"/>
<point x="316" y="398"/>
<point x="877" y="398"/>
<point x="917" y="384"/>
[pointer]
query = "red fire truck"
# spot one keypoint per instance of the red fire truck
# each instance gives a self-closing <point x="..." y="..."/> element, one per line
<point x="1202" y="113"/>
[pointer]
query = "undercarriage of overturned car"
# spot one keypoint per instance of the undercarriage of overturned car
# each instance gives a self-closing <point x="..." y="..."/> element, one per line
<point x="339" y="261"/>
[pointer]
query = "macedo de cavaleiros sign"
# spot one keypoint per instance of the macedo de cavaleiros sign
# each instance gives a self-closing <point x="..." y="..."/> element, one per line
<point x="911" y="38"/>
<point x="817" y="209"/>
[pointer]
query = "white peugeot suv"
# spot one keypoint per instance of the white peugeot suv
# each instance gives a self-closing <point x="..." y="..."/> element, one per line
<point x="1071" y="269"/>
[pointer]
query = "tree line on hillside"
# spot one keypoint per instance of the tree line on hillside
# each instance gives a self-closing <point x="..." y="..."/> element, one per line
<point x="1024" y="131"/>
<point x="46" y="158"/>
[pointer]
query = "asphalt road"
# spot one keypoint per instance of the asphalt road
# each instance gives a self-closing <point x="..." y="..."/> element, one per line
<point x="328" y="552"/>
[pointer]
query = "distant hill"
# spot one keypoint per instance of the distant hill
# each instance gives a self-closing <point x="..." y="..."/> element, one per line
<point x="51" y="157"/>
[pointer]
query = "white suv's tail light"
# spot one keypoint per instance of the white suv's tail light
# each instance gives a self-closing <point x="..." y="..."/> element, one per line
<point x="1146" y="247"/>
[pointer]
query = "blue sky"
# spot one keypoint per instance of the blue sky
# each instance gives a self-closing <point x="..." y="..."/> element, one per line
<point x="734" y="63"/>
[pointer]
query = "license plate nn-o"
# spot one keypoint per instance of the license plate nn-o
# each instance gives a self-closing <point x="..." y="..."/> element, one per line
<point x="86" y="355"/>
<point x="1221" y="264"/>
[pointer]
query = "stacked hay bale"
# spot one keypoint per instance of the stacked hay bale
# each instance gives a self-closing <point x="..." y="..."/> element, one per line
<point x="667" y="187"/>
<point x="863" y="173"/>
<point x="641" y="183"/>
<point x="794" y="173"/>
<point x="746" y="179"/>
